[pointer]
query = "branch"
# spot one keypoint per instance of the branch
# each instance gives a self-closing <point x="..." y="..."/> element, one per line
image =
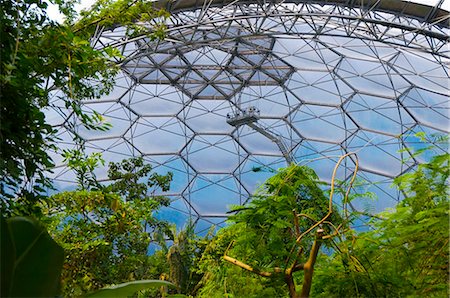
<point x="100" y="19"/>
<point x="309" y="265"/>
<point x="294" y="268"/>
<point x="330" y="203"/>
<point x="246" y="267"/>
<point x="298" y="267"/>
<point x="291" y="269"/>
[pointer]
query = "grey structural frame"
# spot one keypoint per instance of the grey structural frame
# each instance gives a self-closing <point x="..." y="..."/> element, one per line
<point x="368" y="59"/>
<point x="424" y="13"/>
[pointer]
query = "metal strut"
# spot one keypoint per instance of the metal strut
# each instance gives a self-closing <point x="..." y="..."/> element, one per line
<point x="250" y="117"/>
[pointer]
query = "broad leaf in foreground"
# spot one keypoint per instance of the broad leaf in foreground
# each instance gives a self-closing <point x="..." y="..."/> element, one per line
<point x="34" y="259"/>
<point x="129" y="288"/>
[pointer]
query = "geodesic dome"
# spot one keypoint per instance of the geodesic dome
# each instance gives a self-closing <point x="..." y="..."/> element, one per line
<point x="239" y="86"/>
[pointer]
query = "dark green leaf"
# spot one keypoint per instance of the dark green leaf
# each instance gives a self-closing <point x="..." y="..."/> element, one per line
<point x="37" y="259"/>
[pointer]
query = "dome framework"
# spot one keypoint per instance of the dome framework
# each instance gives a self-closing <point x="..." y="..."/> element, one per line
<point x="322" y="78"/>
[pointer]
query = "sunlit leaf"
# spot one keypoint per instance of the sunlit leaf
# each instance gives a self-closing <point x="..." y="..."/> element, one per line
<point x="129" y="288"/>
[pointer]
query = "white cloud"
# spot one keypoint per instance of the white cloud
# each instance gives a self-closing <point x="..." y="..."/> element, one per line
<point x="54" y="13"/>
<point x="445" y="5"/>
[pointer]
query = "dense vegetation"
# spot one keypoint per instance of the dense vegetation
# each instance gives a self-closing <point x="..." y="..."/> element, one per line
<point x="105" y="233"/>
<point x="288" y="241"/>
<point x="106" y="230"/>
<point x="405" y="254"/>
<point x="39" y="57"/>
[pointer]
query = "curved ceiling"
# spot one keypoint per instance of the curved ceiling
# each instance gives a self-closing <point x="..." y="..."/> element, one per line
<point x="424" y="11"/>
<point x="241" y="88"/>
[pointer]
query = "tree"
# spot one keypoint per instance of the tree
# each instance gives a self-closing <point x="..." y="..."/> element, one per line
<point x="183" y="257"/>
<point x="38" y="56"/>
<point x="277" y="234"/>
<point x="405" y="253"/>
<point x="106" y="232"/>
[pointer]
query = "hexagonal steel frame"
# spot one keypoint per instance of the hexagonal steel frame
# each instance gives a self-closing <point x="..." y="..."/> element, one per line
<point x="328" y="77"/>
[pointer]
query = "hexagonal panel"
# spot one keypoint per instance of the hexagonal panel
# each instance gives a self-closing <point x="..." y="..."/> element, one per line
<point x="155" y="99"/>
<point x="322" y="158"/>
<point x="213" y="195"/>
<point x="272" y="101"/>
<point x="322" y="123"/>
<point x="378" y="153"/>
<point x="207" y="55"/>
<point x="178" y="212"/>
<point x="208" y="116"/>
<point x="256" y="143"/>
<point x="318" y="87"/>
<point x="421" y="70"/>
<point x="305" y="53"/>
<point x="379" y="114"/>
<point x="158" y="135"/>
<point x="119" y="117"/>
<point x="213" y="154"/>
<point x="371" y="77"/>
<point x="428" y="107"/>
<point x="182" y="172"/>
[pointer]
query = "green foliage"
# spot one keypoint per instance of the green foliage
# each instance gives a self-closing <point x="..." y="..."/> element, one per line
<point x="84" y="166"/>
<point x="103" y="238"/>
<point x="183" y="257"/>
<point x="38" y="57"/>
<point x="110" y="13"/>
<point x="35" y="52"/>
<point x="262" y="234"/>
<point x="31" y="261"/>
<point x="268" y="220"/>
<point x="129" y="288"/>
<point x="126" y="178"/>
<point x="222" y="279"/>
<point x="179" y="258"/>
<point x="106" y="230"/>
<point x="134" y="182"/>
<point x="406" y="252"/>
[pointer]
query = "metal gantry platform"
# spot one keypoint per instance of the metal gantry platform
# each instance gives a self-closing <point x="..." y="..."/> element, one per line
<point x="322" y="78"/>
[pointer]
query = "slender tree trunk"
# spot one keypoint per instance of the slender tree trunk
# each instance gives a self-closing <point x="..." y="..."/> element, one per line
<point x="291" y="285"/>
<point x="309" y="265"/>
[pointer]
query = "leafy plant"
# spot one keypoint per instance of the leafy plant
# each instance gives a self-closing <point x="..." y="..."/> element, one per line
<point x="39" y="58"/>
<point x="268" y="237"/>
<point x="31" y="261"/>
<point x="183" y="257"/>
<point x="127" y="13"/>
<point x="129" y="288"/>
<point x="405" y="253"/>
<point x="84" y="166"/>
<point x="106" y="231"/>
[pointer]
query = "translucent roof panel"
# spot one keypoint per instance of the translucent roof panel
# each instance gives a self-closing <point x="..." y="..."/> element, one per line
<point x="324" y="79"/>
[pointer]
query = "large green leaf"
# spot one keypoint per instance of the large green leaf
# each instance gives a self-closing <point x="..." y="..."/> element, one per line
<point x="8" y="256"/>
<point x="33" y="260"/>
<point x="129" y="288"/>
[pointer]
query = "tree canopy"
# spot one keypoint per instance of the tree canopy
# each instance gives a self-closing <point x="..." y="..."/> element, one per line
<point x="405" y="253"/>
<point x="105" y="228"/>
<point x="39" y="56"/>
